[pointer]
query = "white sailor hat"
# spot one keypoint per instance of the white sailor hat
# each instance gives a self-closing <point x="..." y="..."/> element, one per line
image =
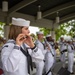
<point x="62" y="36"/>
<point x="20" y="22"/>
<point x="70" y="40"/>
<point x="39" y="32"/>
<point x="48" y="35"/>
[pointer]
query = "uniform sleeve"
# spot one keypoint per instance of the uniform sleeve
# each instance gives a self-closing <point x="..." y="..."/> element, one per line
<point x="37" y="54"/>
<point x="42" y="47"/>
<point x="69" y="49"/>
<point x="37" y="44"/>
<point x="10" y="58"/>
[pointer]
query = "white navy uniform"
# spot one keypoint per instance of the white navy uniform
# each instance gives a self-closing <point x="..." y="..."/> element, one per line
<point x="54" y="51"/>
<point x="63" y="46"/>
<point x="74" y="46"/>
<point x="40" y="64"/>
<point x="49" y="59"/>
<point x="14" y="61"/>
<point x="41" y="46"/>
<point x="70" y="57"/>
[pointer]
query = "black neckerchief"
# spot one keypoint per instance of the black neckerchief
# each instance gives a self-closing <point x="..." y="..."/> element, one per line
<point x="29" y="59"/>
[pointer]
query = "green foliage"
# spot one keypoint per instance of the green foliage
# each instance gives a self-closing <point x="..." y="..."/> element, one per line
<point x="72" y="30"/>
<point x="33" y="36"/>
<point x="67" y="28"/>
<point x="1" y="29"/>
<point x="60" y="31"/>
<point x="45" y="31"/>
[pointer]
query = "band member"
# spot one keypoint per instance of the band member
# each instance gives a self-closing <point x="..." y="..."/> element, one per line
<point x="74" y="44"/>
<point x="15" y="55"/>
<point x="49" y="57"/>
<point x="63" y="49"/>
<point x="70" y="49"/>
<point x="39" y="43"/>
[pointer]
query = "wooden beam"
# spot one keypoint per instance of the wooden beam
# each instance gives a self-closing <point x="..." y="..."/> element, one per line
<point x="20" y="15"/>
<point x="20" y="5"/>
<point x="59" y="8"/>
<point x="39" y="23"/>
<point x="67" y="17"/>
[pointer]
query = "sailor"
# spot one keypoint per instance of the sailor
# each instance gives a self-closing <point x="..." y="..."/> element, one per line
<point x="15" y="57"/>
<point x="74" y="43"/>
<point x="63" y="49"/>
<point x="70" y="49"/>
<point x="49" y="57"/>
<point x="39" y="43"/>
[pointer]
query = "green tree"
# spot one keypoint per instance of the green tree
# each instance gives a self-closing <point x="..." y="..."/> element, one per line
<point x="1" y="29"/>
<point x="61" y="30"/>
<point x="72" y="30"/>
<point x="67" y="28"/>
<point x="45" y="30"/>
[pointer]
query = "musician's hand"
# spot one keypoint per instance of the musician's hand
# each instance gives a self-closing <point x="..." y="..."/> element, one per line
<point x="29" y="41"/>
<point x="20" y="39"/>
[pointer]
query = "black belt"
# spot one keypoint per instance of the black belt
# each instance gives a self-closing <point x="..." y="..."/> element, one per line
<point x="65" y="50"/>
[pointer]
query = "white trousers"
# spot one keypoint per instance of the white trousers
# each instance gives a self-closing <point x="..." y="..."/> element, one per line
<point x="39" y="67"/>
<point x="49" y="60"/>
<point x="63" y="59"/>
<point x="70" y="62"/>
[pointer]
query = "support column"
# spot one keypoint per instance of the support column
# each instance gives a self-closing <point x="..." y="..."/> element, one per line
<point x="6" y="31"/>
<point x="53" y="34"/>
<point x="6" y="27"/>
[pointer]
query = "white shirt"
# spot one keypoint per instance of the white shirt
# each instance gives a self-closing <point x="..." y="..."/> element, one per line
<point x="63" y="46"/>
<point x="70" y="50"/>
<point x="41" y="46"/>
<point x="14" y="61"/>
